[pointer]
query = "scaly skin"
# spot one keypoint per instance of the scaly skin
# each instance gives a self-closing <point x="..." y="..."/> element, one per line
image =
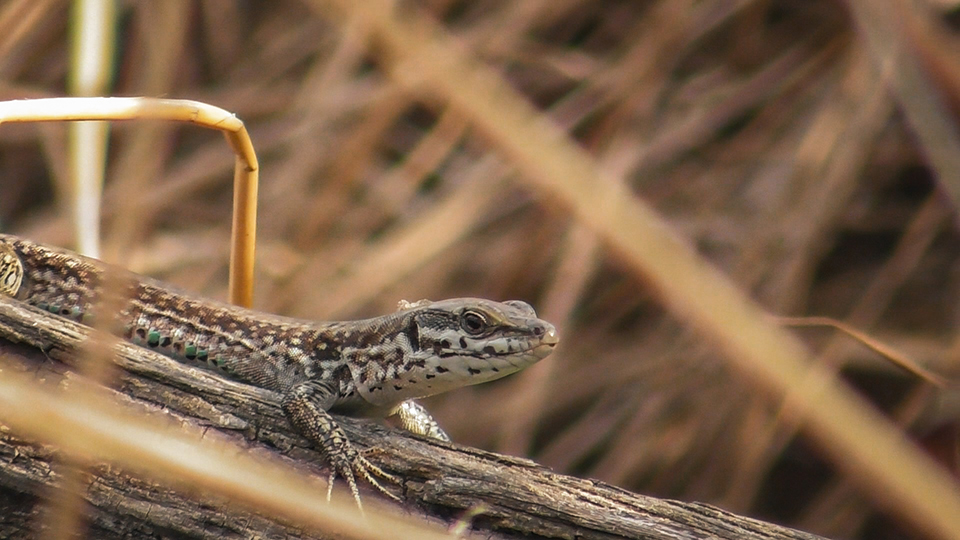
<point x="371" y="367"/>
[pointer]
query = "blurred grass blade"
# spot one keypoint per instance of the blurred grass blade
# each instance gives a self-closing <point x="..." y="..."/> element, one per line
<point x="93" y="38"/>
<point x="883" y="25"/>
<point x="891" y="354"/>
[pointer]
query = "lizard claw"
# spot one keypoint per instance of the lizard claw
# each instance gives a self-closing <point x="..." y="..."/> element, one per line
<point x="356" y="465"/>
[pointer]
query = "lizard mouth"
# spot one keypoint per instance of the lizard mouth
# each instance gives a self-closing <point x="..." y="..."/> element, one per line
<point x="538" y="348"/>
<point x="532" y="353"/>
<point x="545" y="345"/>
<point x="543" y="349"/>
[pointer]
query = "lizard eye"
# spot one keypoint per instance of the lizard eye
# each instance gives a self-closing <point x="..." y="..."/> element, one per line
<point x="472" y="323"/>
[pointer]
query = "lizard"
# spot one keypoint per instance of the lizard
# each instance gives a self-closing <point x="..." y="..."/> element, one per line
<point x="370" y="368"/>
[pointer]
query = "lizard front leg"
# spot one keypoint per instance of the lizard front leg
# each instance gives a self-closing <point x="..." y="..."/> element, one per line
<point x="415" y="419"/>
<point x="306" y="405"/>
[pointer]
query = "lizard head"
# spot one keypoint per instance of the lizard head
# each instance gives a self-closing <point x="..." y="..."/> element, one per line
<point x="466" y="341"/>
<point x="434" y="347"/>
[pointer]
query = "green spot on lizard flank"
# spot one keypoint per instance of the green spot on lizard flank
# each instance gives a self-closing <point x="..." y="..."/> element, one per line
<point x="190" y="351"/>
<point x="153" y="337"/>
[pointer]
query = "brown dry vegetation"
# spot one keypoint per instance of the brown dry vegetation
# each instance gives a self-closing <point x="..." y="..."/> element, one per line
<point x="761" y="129"/>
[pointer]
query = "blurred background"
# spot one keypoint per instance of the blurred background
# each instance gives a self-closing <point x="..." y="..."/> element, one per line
<point x="769" y="132"/>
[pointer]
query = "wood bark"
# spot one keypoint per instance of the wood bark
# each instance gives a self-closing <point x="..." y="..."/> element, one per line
<point x="441" y="481"/>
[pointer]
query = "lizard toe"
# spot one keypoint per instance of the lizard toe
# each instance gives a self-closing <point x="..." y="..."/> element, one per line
<point x="370" y="472"/>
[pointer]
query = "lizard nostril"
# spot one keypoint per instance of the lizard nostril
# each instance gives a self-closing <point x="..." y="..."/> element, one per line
<point x="538" y="330"/>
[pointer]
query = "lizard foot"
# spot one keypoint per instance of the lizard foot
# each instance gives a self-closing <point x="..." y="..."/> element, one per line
<point x="353" y="465"/>
<point x="305" y="405"/>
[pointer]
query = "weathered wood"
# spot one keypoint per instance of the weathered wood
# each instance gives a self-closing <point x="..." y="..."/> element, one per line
<point x="441" y="480"/>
